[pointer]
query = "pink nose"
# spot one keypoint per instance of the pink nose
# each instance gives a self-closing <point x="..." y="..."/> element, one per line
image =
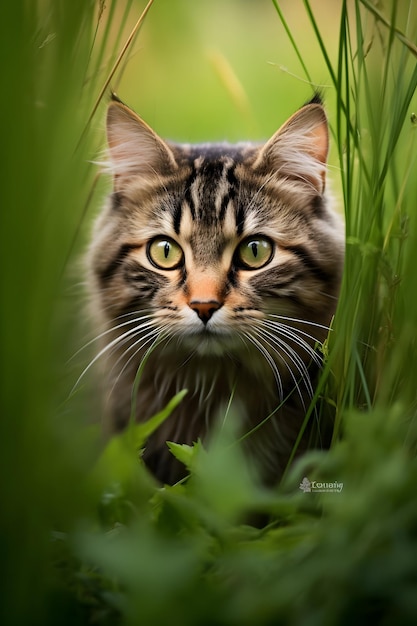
<point x="205" y="308"/>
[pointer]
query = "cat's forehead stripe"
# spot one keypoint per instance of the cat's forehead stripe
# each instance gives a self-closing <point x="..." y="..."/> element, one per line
<point x="210" y="188"/>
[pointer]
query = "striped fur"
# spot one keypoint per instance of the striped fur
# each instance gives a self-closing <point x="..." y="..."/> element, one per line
<point x="215" y="324"/>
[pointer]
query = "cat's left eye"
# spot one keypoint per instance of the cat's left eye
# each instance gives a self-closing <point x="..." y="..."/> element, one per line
<point x="165" y="253"/>
<point x="254" y="252"/>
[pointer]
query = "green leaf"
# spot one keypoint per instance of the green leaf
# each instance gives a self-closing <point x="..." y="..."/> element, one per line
<point x="185" y="453"/>
<point x="139" y="433"/>
<point x="120" y="459"/>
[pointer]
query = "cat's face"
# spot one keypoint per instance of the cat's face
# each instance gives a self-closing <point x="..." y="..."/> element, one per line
<point x="213" y="247"/>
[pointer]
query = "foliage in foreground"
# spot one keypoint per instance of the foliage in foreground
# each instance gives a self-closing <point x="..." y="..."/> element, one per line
<point x="331" y="558"/>
<point x="86" y="536"/>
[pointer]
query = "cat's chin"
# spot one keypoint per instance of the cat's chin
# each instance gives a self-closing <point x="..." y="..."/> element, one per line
<point x="209" y="347"/>
<point x="209" y="343"/>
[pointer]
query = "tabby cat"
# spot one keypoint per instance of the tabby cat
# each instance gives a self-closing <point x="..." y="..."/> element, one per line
<point x="215" y="268"/>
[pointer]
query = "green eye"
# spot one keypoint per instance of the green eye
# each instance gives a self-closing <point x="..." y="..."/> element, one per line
<point x="165" y="253"/>
<point x="254" y="252"/>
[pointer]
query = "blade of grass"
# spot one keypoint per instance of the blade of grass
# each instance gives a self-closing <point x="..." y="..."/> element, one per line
<point x="292" y="40"/>
<point x="116" y="65"/>
<point x="395" y="31"/>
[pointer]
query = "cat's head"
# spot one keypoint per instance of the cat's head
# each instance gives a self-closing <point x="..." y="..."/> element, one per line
<point x="211" y="244"/>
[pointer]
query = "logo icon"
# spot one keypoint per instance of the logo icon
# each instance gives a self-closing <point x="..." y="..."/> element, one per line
<point x="305" y="485"/>
<point x="309" y="486"/>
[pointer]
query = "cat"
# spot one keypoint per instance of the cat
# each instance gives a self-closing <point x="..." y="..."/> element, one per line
<point x="215" y="268"/>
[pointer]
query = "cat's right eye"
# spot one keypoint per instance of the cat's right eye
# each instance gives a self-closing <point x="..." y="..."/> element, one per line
<point x="254" y="252"/>
<point x="164" y="253"/>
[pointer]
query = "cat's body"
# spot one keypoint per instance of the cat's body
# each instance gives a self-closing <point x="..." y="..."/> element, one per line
<point x="225" y="260"/>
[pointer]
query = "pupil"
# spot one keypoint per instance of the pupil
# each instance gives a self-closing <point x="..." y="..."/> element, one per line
<point x="254" y="247"/>
<point x="166" y="249"/>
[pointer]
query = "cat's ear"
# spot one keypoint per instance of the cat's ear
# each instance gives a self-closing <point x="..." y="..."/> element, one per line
<point x="299" y="149"/>
<point x="134" y="148"/>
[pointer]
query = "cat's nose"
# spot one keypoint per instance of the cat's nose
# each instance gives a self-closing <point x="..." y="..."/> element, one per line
<point x="205" y="308"/>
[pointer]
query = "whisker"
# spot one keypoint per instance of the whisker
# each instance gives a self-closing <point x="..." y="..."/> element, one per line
<point x="142" y="339"/>
<point x="328" y="295"/>
<point x="139" y="328"/>
<point x="299" y="321"/>
<point x="293" y="358"/>
<point x="291" y="328"/>
<point x="103" y="351"/>
<point x="111" y="330"/>
<point x="156" y="331"/>
<point x="134" y="392"/>
<point x="154" y="334"/>
<point x="269" y="360"/>
<point x="294" y="335"/>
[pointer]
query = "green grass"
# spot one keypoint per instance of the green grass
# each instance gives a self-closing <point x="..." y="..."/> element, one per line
<point x="86" y="536"/>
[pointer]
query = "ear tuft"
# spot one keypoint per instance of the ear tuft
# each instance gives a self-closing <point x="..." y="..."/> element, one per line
<point x="316" y="99"/>
<point x="299" y="149"/>
<point x="134" y="148"/>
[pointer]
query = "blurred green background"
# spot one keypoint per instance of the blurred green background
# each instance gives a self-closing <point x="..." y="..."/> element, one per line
<point x="87" y="544"/>
<point x="178" y="76"/>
